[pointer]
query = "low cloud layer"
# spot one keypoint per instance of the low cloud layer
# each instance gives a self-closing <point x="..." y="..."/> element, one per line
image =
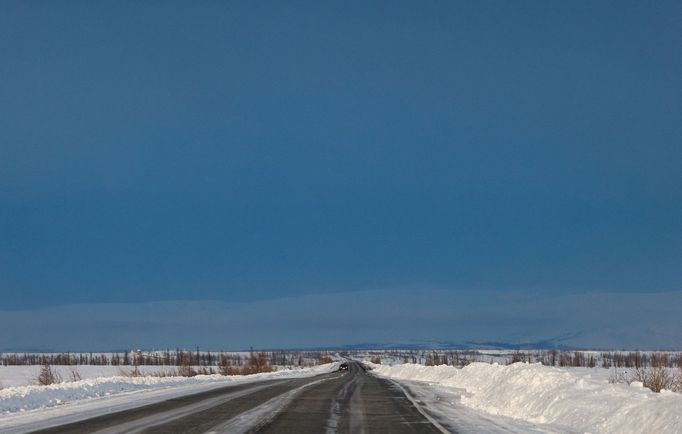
<point x="597" y="320"/>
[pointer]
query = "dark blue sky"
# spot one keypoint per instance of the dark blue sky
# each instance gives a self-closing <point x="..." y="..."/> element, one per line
<point x="252" y="150"/>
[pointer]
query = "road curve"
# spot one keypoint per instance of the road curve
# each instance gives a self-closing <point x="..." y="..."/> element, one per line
<point x="339" y="402"/>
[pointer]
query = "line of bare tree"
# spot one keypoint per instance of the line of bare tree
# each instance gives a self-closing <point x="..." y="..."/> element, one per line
<point x="177" y="358"/>
<point x="553" y="357"/>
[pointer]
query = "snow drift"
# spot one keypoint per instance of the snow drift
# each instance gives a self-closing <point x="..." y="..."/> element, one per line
<point x="23" y="398"/>
<point x="553" y="397"/>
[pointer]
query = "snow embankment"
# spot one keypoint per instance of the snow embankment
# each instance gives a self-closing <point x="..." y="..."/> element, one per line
<point x="554" y="397"/>
<point x="24" y="398"/>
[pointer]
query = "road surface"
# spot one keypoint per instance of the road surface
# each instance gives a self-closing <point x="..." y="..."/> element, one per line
<point x="353" y="401"/>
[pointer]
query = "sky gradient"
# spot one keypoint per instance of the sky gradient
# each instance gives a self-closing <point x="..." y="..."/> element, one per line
<point x="251" y="151"/>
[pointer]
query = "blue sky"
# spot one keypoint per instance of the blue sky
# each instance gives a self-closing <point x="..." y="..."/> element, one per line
<point x="242" y="151"/>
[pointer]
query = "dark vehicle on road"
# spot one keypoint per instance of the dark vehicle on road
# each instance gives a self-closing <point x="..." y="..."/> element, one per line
<point x="343" y="366"/>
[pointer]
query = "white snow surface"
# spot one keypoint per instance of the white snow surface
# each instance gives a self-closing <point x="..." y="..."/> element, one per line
<point x="71" y="401"/>
<point x="555" y="399"/>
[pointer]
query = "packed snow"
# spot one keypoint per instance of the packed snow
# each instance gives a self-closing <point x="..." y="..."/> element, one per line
<point x="554" y="399"/>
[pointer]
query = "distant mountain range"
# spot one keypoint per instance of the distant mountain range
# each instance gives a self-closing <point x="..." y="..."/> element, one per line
<point x="445" y="345"/>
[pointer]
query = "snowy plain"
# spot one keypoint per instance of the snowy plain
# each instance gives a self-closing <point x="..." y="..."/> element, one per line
<point x="480" y="397"/>
<point x="549" y="399"/>
<point x="26" y="407"/>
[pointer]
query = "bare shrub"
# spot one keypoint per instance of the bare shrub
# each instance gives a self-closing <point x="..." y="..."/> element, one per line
<point x="74" y="374"/>
<point x="517" y="357"/>
<point x="205" y="371"/>
<point x="307" y="363"/>
<point x="135" y="372"/>
<point x="48" y="375"/>
<point x="639" y="374"/>
<point x="458" y="359"/>
<point x="187" y="371"/>
<point x="166" y="372"/>
<point x="324" y="360"/>
<point x="257" y="363"/>
<point x="182" y="371"/>
<point x="227" y="367"/>
<point x="677" y="383"/>
<point x="660" y="378"/>
<point x="230" y="370"/>
<point x="376" y="360"/>
<point x="620" y="377"/>
<point x="656" y="379"/>
<point x="433" y="359"/>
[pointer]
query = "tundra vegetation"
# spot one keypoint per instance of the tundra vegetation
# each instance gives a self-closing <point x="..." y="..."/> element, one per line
<point x="656" y="370"/>
<point x="165" y="363"/>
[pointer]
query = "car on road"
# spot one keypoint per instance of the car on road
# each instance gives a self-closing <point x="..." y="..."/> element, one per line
<point x="343" y="366"/>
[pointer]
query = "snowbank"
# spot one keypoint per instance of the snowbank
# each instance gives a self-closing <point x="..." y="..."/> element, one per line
<point x="24" y="398"/>
<point x="554" y="397"/>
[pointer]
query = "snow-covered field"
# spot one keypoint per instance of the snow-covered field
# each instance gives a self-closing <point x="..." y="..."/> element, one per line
<point x="13" y="376"/>
<point x="490" y="397"/>
<point x="553" y="399"/>
<point x="101" y="391"/>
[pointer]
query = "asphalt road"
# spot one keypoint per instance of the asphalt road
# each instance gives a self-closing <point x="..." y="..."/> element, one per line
<point x="345" y="402"/>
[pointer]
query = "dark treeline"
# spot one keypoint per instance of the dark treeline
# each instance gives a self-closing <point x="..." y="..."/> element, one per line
<point x="168" y="357"/>
<point x="232" y="361"/>
<point x="587" y="359"/>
